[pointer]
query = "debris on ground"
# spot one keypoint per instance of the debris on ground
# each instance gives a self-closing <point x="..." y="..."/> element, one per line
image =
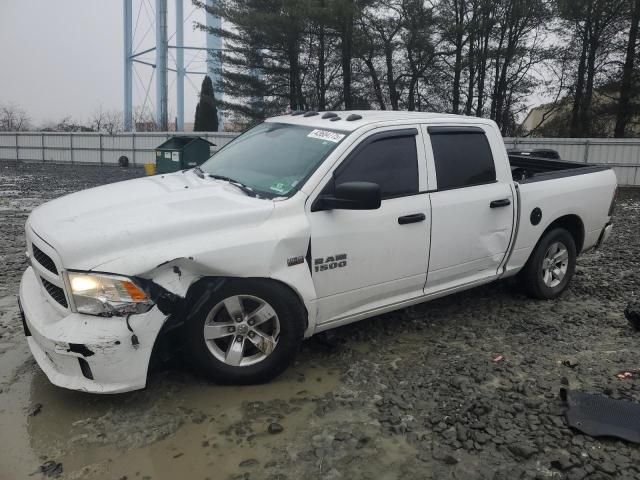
<point x="251" y="462"/>
<point x="275" y="428"/>
<point x="35" y="410"/>
<point x="50" y="468"/>
<point x="632" y="312"/>
<point x="600" y="416"/>
<point x="625" y="375"/>
<point x="497" y="359"/>
<point x="570" y="362"/>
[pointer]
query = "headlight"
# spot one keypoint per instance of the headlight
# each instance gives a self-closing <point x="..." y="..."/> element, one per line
<point x="105" y="294"/>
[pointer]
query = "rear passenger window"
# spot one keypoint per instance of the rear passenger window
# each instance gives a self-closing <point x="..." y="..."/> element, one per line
<point x="462" y="157"/>
<point x="390" y="162"/>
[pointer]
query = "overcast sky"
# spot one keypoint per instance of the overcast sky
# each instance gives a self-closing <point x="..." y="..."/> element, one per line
<point x="64" y="57"/>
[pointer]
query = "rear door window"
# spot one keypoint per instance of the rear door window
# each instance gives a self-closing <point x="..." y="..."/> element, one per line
<point x="462" y="157"/>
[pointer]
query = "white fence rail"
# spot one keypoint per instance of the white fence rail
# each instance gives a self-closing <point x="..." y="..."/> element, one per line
<point x="94" y="148"/>
<point x="91" y="148"/>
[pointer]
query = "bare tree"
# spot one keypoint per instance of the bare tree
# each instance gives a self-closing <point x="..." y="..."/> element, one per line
<point x="13" y="118"/>
<point x="66" y="124"/>
<point x="623" y="115"/>
<point x="108" y="121"/>
<point x="385" y="21"/>
<point x="455" y="26"/>
<point x="555" y="79"/>
<point x="143" y="120"/>
<point x="593" y="26"/>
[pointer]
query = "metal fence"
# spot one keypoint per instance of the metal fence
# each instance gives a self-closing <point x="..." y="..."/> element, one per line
<point x="94" y="148"/>
<point x="91" y="148"/>
<point x="621" y="154"/>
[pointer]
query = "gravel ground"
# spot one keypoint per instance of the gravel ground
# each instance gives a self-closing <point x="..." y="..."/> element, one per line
<point x="412" y="394"/>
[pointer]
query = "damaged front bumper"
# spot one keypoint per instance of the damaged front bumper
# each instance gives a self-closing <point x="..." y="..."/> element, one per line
<point x="85" y="352"/>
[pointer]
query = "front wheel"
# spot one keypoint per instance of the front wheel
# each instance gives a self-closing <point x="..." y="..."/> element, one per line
<point x="247" y="331"/>
<point x="551" y="266"/>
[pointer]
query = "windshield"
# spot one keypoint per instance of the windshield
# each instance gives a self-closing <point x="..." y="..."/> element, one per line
<point x="273" y="158"/>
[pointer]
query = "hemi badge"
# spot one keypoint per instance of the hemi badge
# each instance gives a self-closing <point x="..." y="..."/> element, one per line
<point x="295" y="261"/>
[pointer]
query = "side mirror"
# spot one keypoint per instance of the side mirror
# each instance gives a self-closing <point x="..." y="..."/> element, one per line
<point x="351" y="196"/>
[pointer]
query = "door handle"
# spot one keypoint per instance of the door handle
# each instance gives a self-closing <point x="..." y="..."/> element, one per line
<point x="505" y="202"/>
<point x="415" y="218"/>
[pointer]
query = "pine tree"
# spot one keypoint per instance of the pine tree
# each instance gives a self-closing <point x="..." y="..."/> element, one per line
<point x="206" y="111"/>
<point x="263" y="55"/>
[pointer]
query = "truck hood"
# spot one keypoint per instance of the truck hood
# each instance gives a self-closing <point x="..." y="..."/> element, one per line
<point x="95" y="226"/>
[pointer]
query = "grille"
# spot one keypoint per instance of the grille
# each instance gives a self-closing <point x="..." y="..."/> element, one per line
<point x="56" y="292"/>
<point x="44" y="259"/>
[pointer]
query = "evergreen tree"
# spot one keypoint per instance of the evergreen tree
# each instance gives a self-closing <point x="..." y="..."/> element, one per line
<point x="263" y="73"/>
<point x="206" y="111"/>
<point x="477" y="57"/>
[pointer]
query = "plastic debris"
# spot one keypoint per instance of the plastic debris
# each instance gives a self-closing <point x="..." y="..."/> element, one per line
<point x="50" y="468"/>
<point x="275" y="428"/>
<point x="600" y="416"/>
<point x="632" y="312"/>
<point x="497" y="359"/>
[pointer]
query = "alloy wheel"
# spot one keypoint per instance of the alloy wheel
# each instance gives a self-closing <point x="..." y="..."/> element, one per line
<point x="555" y="264"/>
<point x="241" y="330"/>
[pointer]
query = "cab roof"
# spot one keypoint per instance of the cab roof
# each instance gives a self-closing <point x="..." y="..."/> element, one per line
<point x="351" y="120"/>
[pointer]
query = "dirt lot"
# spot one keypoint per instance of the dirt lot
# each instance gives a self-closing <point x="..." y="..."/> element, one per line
<point x="412" y="395"/>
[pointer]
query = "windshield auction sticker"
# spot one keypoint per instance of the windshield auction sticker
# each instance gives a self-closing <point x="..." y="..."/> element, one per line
<point x="279" y="187"/>
<point x="326" y="135"/>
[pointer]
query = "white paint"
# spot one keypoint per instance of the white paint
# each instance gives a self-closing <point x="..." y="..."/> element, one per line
<point x="154" y="227"/>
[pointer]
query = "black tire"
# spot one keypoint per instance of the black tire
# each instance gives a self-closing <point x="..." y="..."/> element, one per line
<point x="531" y="277"/>
<point x="290" y="314"/>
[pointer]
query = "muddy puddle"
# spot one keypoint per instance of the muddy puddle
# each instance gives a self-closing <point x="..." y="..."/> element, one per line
<point x="180" y="426"/>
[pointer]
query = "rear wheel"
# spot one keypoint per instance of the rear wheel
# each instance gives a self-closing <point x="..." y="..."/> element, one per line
<point x="551" y="266"/>
<point x="247" y="331"/>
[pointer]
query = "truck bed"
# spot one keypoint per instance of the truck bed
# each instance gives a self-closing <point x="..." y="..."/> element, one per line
<point x="526" y="169"/>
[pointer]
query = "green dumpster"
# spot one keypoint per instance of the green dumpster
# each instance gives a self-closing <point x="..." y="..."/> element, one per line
<point x="182" y="152"/>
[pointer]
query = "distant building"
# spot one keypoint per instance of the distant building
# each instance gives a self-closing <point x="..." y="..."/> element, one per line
<point x="553" y="119"/>
<point x="538" y="116"/>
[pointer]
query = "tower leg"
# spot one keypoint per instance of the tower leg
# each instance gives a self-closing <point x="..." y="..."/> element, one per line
<point x="128" y="67"/>
<point x="161" y="65"/>
<point x="180" y="65"/>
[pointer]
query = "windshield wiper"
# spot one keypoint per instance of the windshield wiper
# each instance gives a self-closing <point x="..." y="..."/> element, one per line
<point x="198" y="171"/>
<point x="246" y="189"/>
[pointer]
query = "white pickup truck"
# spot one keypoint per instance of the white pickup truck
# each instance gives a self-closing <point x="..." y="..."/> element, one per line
<point x="306" y="222"/>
